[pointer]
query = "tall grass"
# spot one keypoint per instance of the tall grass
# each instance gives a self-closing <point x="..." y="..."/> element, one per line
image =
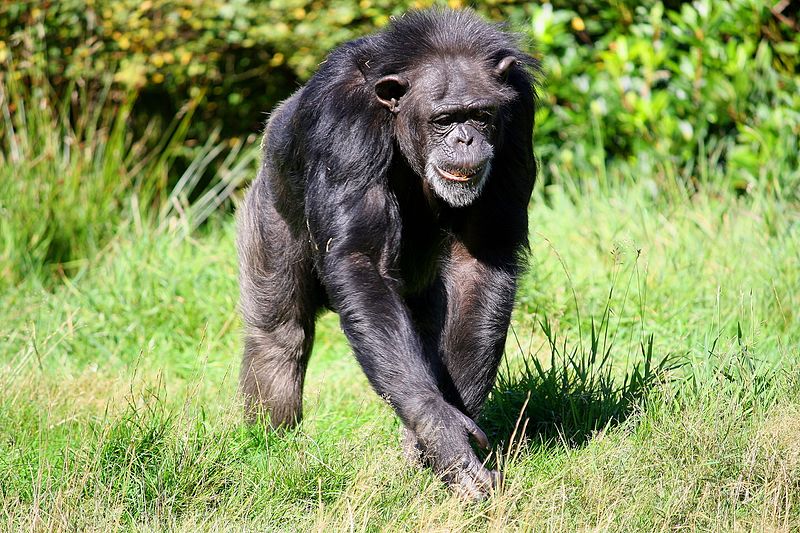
<point x="72" y="176"/>
<point x="567" y="394"/>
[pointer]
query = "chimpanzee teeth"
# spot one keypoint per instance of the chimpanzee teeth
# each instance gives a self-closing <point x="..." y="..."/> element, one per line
<point x="461" y="173"/>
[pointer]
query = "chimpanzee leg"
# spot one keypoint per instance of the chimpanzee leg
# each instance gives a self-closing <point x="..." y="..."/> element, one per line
<point x="279" y="299"/>
<point x="480" y="298"/>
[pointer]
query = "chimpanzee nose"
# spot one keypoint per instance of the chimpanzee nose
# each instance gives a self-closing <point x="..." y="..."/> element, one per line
<point x="463" y="136"/>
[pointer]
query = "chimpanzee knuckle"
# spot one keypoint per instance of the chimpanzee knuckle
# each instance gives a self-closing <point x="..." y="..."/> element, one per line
<point x="480" y="475"/>
<point x="471" y="482"/>
<point x="483" y="477"/>
<point x="468" y="491"/>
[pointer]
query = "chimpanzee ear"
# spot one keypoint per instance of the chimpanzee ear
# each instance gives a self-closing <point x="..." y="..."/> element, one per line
<point x="504" y="67"/>
<point x="389" y="89"/>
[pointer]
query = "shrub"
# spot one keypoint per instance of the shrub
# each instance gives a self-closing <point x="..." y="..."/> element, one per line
<point x="633" y="82"/>
<point x="678" y="83"/>
<point x="241" y="56"/>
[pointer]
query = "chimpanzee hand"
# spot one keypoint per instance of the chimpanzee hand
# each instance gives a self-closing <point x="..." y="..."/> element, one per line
<point x="440" y="439"/>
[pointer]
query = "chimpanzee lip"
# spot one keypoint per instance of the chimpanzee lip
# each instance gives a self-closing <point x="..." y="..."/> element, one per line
<point x="460" y="175"/>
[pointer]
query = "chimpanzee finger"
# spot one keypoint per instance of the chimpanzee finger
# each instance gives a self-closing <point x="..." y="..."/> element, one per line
<point x="477" y="433"/>
<point x="474" y="479"/>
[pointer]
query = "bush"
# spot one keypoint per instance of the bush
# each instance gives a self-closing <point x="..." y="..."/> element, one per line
<point x="703" y="79"/>
<point x="630" y="82"/>
<point x="242" y="57"/>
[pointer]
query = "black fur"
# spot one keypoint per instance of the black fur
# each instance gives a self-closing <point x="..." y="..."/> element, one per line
<point x="410" y="223"/>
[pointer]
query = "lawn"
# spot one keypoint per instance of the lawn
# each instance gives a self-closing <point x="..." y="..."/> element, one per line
<point x="651" y="382"/>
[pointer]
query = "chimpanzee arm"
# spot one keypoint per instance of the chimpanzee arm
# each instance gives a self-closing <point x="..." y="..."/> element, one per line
<point x="480" y="298"/>
<point x="377" y="324"/>
<point x="357" y="241"/>
<point x="357" y="235"/>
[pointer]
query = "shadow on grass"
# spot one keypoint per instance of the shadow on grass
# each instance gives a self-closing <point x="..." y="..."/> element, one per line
<point x="578" y="393"/>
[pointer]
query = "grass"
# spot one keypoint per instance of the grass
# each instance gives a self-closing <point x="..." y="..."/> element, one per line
<point x="651" y="378"/>
<point x="118" y="406"/>
<point x="72" y="174"/>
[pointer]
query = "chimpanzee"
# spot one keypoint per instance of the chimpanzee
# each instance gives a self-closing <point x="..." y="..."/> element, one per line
<point x="394" y="189"/>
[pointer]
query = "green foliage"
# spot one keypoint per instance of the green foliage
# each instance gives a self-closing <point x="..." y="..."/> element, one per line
<point x="242" y="57"/>
<point x="626" y="82"/>
<point x="65" y="185"/>
<point x="72" y="174"/>
<point x="702" y="78"/>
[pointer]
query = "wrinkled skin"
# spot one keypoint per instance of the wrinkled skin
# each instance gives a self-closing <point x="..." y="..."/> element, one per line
<point x="457" y="465"/>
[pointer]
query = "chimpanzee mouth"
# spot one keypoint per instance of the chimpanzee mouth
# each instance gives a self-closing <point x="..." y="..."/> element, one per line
<point x="459" y="174"/>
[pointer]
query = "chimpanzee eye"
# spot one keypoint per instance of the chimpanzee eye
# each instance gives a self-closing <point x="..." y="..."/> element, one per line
<point x="445" y="119"/>
<point x="483" y="115"/>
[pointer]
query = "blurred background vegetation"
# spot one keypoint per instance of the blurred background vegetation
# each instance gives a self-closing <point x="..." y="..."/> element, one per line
<point x="120" y="112"/>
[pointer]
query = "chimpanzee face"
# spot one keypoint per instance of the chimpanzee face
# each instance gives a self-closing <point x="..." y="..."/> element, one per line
<point x="448" y="115"/>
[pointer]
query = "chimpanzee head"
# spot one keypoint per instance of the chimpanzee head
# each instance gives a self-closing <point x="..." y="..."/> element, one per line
<point x="448" y="119"/>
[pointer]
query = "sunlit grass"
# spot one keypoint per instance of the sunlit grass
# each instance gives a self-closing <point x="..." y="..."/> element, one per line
<point x="73" y="175"/>
<point x="118" y="404"/>
<point x="651" y="378"/>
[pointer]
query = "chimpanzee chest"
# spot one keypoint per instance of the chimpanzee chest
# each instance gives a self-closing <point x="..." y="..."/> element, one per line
<point x="423" y="241"/>
<point x="423" y="232"/>
<point x="421" y="251"/>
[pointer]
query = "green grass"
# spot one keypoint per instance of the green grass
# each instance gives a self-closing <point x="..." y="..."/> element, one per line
<point x="651" y="378"/>
<point x="651" y="383"/>
<point x="72" y="175"/>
